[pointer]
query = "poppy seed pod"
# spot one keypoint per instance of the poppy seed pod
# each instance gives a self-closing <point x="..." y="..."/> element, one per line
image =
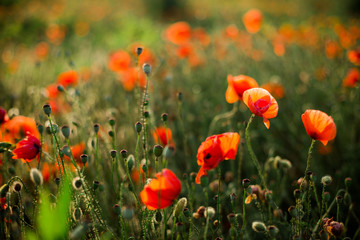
<point x="17" y="186"/>
<point x="146" y="114"/>
<point x="231" y="218"/>
<point x="139" y="50"/>
<point x="57" y="181"/>
<point x="246" y="183"/>
<point x="112" y="122"/>
<point x="158" y="150"/>
<point x="147" y="69"/>
<point x="130" y="162"/>
<point x="96" y="184"/>
<point x="164" y="117"/>
<point x="124" y="153"/>
<point x="84" y="158"/>
<point x="348" y="182"/>
<point x="65" y="130"/>
<point x="293" y="211"/>
<point x="138" y="127"/>
<point x="111" y="133"/>
<point x="144" y="168"/>
<point x="117" y="209"/>
<point x="326" y="180"/>
<point x="259" y="227"/>
<point x="77" y="183"/>
<point x="60" y="88"/>
<point x="40" y="128"/>
<point x="47" y="109"/>
<point x="96" y="127"/>
<point x="180" y="96"/>
<point x="158" y="216"/>
<point x="113" y="153"/>
<point x="180" y="206"/>
<point x="36" y="176"/>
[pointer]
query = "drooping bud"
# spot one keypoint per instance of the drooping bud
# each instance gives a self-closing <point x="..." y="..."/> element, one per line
<point x="231" y="217"/>
<point x="146" y="114"/>
<point x="187" y="212"/>
<point x="144" y="168"/>
<point x="65" y="130"/>
<point x="36" y="176"/>
<point x="259" y="227"/>
<point x="193" y="176"/>
<point x="233" y="196"/>
<point x="57" y="180"/>
<point x="47" y="109"/>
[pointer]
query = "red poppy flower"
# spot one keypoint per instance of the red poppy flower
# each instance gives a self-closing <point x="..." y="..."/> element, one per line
<point x="354" y="56"/>
<point x="17" y="127"/>
<point x="185" y="51"/>
<point x="216" y="149"/>
<point x="332" y="49"/>
<point x="160" y="135"/>
<point x="261" y="103"/>
<point x="42" y="50"/>
<point x="252" y="20"/>
<point x="201" y="35"/>
<point x="319" y="125"/>
<point x="52" y="91"/>
<point x="352" y="78"/>
<point x="161" y="191"/>
<point x="119" y="61"/>
<point x="178" y="33"/>
<point x="131" y="77"/>
<point x="3" y="116"/>
<point x="27" y="149"/>
<point x="237" y="86"/>
<point x="68" y="78"/>
<point x="77" y="151"/>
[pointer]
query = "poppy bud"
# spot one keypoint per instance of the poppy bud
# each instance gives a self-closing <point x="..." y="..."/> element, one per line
<point x="348" y="182"/>
<point x="326" y="180"/>
<point x="139" y="50"/>
<point x="297" y="193"/>
<point x="246" y="182"/>
<point x="146" y="114"/>
<point x="138" y="127"/>
<point x="179" y="226"/>
<point x="187" y="212"/>
<point x="66" y="150"/>
<point x="17" y="186"/>
<point x="96" y="184"/>
<point x="113" y="153"/>
<point x="117" y="209"/>
<point x="65" y="130"/>
<point x="273" y="230"/>
<point x="313" y="177"/>
<point x="60" y="88"/>
<point x="130" y="162"/>
<point x="84" y="158"/>
<point x="77" y="183"/>
<point x="180" y="96"/>
<point x="147" y="69"/>
<point x="158" y="150"/>
<point x="77" y="214"/>
<point x="339" y="199"/>
<point x="259" y="227"/>
<point x="96" y="127"/>
<point x="36" y="176"/>
<point x="201" y="211"/>
<point x="293" y="211"/>
<point x="57" y="181"/>
<point x="326" y="196"/>
<point x="231" y="218"/>
<point x="124" y="153"/>
<point x="209" y="211"/>
<point x="112" y="122"/>
<point x="54" y="129"/>
<point x="3" y="190"/>
<point x="47" y="109"/>
<point x="144" y="168"/>
<point x="40" y="128"/>
<point x="180" y="206"/>
<point x="204" y="181"/>
<point x="111" y="133"/>
<point x="169" y="151"/>
<point x="158" y="216"/>
<point x="164" y="117"/>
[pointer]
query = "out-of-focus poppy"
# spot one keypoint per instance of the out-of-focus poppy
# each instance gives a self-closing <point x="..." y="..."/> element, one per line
<point x="237" y="86"/>
<point x="48" y="170"/>
<point x="319" y="125"/>
<point x="161" y="136"/>
<point x="52" y="91"/>
<point x="161" y="191"/>
<point x="201" y="35"/>
<point x="18" y="127"/>
<point x="68" y="78"/>
<point x="252" y="20"/>
<point x="27" y="149"/>
<point x="275" y="89"/>
<point x="42" y="50"/>
<point x="56" y="33"/>
<point x="131" y="77"/>
<point x="231" y="31"/>
<point x="215" y="149"/>
<point x="261" y="103"/>
<point x="185" y="51"/>
<point x="351" y="79"/>
<point x="354" y="56"/>
<point x="119" y="61"/>
<point x="147" y="57"/>
<point x="332" y="49"/>
<point x="77" y="150"/>
<point x="178" y="33"/>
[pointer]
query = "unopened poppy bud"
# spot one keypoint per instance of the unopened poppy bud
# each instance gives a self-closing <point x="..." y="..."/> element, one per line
<point x="66" y="150"/>
<point x="96" y="127"/>
<point x="187" y="212"/>
<point x="158" y="216"/>
<point x="246" y="182"/>
<point x="117" y="209"/>
<point x="96" y="184"/>
<point x="146" y="114"/>
<point x="192" y="176"/>
<point x="326" y="180"/>
<point x="336" y="228"/>
<point x="84" y="158"/>
<point x="77" y="183"/>
<point x="179" y="226"/>
<point x="144" y="168"/>
<point x="57" y="181"/>
<point x="147" y="69"/>
<point x="124" y="153"/>
<point x="3" y="190"/>
<point x="180" y="206"/>
<point x="130" y="162"/>
<point x="313" y="177"/>
<point x="180" y="96"/>
<point x="273" y="230"/>
<point x="297" y="193"/>
<point x="139" y="50"/>
<point x="17" y="186"/>
<point x="138" y="127"/>
<point x="54" y="129"/>
<point x="112" y="122"/>
<point x="65" y="130"/>
<point x="259" y="227"/>
<point x="113" y="153"/>
<point x="326" y="196"/>
<point x="47" y="109"/>
<point x="36" y="176"/>
<point x="201" y="211"/>
<point x="169" y="151"/>
<point x="204" y="180"/>
<point x="348" y="182"/>
<point x="60" y="88"/>
<point x="339" y="199"/>
<point x="293" y="211"/>
<point x="40" y="128"/>
<point x="111" y="133"/>
<point x="158" y="150"/>
<point x="164" y="117"/>
<point x="77" y="214"/>
<point x="285" y="164"/>
<point x="233" y="196"/>
<point x="209" y="211"/>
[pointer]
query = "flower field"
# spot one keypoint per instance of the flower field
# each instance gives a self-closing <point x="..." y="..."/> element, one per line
<point x="172" y="119"/>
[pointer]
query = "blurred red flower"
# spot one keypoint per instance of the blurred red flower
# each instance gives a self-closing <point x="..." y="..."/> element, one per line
<point x="161" y="191"/>
<point x="160" y="135"/>
<point x="178" y="33"/>
<point x="18" y="127"/>
<point x="237" y="86"/>
<point x="351" y="79"/>
<point x="131" y="77"/>
<point x="119" y="61"/>
<point x="261" y="103"/>
<point x="252" y="20"/>
<point x="215" y="149"/>
<point x="27" y="149"/>
<point x="354" y="57"/>
<point x="319" y="125"/>
<point x="68" y="78"/>
<point x="275" y="89"/>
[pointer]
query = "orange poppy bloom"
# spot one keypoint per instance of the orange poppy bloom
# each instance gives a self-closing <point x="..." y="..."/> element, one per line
<point x="252" y="20"/>
<point x="161" y="191"/>
<point x="147" y="57"/>
<point x="18" y="127"/>
<point x="261" y="103"/>
<point x="130" y="77"/>
<point x="56" y="33"/>
<point x="201" y="35"/>
<point x="119" y="61"/>
<point x="215" y="149"/>
<point x="275" y="89"/>
<point x="231" y="31"/>
<point x="237" y="86"/>
<point x="178" y="33"/>
<point x="52" y="91"/>
<point x="352" y="78"/>
<point x="68" y="78"/>
<point x="354" y="57"/>
<point x="27" y="149"/>
<point x="319" y="125"/>
<point x="160" y="135"/>
<point x="332" y="49"/>
<point x="48" y="170"/>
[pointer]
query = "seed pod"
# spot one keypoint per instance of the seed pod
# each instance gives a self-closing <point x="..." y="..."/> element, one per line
<point x="138" y="127"/>
<point x="65" y="130"/>
<point x="113" y="153"/>
<point x="124" y="153"/>
<point x="147" y="69"/>
<point x="84" y="158"/>
<point x="47" y="109"/>
<point x="77" y="183"/>
<point x="273" y="230"/>
<point x="259" y="227"/>
<point x="246" y="183"/>
<point x="158" y="150"/>
<point x="117" y="209"/>
<point x="112" y="122"/>
<point x="164" y="117"/>
<point x="36" y="176"/>
<point x="326" y="180"/>
<point x="139" y="50"/>
<point x="40" y="128"/>
<point x="96" y="127"/>
<point x="130" y="162"/>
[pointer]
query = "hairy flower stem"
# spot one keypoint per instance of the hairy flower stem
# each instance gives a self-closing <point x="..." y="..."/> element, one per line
<point x="137" y="159"/>
<point x="207" y="215"/>
<point x="57" y="146"/>
<point x="218" y="198"/>
<point x="97" y="156"/>
<point x="252" y="154"/>
<point x="243" y="216"/>
<point x="40" y="150"/>
<point x="145" y="102"/>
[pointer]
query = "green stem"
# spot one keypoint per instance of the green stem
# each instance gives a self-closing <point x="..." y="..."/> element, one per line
<point x="243" y="216"/>
<point x="207" y="215"/>
<point x="218" y="198"/>
<point x="57" y="145"/>
<point x="97" y="156"/>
